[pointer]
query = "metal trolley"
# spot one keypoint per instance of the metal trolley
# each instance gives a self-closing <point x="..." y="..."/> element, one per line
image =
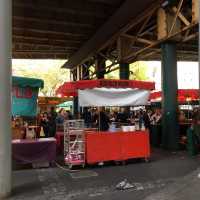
<point x="74" y="143"/>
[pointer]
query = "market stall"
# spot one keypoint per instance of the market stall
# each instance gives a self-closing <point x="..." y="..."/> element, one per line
<point x="129" y="141"/>
<point x="187" y="100"/>
<point x="45" y="103"/>
<point x="24" y="106"/>
<point x="27" y="148"/>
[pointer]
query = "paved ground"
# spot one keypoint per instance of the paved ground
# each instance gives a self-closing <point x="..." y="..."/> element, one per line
<point x="167" y="174"/>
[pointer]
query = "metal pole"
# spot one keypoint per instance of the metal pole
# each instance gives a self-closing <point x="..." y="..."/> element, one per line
<point x="170" y="135"/>
<point x="124" y="71"/>
<point x="5" y="97"/>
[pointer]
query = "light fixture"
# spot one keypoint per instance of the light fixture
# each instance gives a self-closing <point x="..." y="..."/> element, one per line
<point x="165" y="4"/>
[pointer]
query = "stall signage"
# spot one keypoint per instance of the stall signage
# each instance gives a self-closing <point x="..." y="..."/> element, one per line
<point x="24" y="101"/>
<point x="22" y="92"/>
<point x="114" y="84"/>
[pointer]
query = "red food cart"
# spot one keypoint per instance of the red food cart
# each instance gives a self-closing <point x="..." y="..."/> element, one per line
<point x="114" y="146"/>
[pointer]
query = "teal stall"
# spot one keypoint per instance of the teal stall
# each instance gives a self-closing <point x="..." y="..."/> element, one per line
<point x="25" y="95"/>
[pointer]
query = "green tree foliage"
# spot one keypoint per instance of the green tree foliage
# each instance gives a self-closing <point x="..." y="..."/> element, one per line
<point x="138" y="71"/>
<point x="52" y="74"/>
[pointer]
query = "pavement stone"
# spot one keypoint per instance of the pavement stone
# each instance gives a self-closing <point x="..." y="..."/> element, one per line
<point x="168" y="173"/>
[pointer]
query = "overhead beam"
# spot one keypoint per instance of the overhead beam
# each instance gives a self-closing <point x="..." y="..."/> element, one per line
<point x="77" y="7"/>
<point x="20" y="32"/>
<point x="133" y="55"/>
<point x="46" y="31"/>
<point x="129" y="10"/>
<point x="45" y="42"/>
<point x="25" y="55"/>
<point x="45" y="39"/>
<point x="181" y="16"/>
<point x="41" y="26"/>
<point x="138" y="39"/>
<point x="51" y="20"/>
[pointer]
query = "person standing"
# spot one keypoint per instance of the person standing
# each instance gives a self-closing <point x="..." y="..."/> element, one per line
<point x="52" y="122"/>
<point x="103" y="120"/>
<point x="87" y="116"/>
<point x="146" y="119"/>
<point x="44" y="123"/>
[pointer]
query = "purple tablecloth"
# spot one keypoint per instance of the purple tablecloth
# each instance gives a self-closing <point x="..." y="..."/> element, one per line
<point x="34" y="151"/>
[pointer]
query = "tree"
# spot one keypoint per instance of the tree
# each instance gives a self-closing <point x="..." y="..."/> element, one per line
<point x="52" y="74"/>
<point x="138" y="71"/>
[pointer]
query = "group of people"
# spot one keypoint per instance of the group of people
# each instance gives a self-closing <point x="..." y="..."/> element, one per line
<point x="51" y="120"/>
<point x="102" y="118"/>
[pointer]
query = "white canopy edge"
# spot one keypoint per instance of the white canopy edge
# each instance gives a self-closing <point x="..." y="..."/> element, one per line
<point x="112" y="97"/>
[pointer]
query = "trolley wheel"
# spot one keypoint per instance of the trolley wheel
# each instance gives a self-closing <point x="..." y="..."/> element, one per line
<point x="117" y="162"/>
<point x="147" y="160"/>
<point x="123" y="162"/>
<point x="70" y="166"/>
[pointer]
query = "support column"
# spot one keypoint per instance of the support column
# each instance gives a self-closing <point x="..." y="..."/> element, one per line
<point x="170" y="134"/>
<point x="75" y="101"/>
<point x="5" y="97"/>
<point x="124" y="71"/>
<point x="100" y="67"/>
<point x="85" y="73"/>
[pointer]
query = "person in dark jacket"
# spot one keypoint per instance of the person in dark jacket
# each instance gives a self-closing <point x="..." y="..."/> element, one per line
<point x="123" y="116"/>
<point x="52" y="122"/>
<point x="146" y="119"/>
<point x="103" y="120"/>
<point x="87" y="116"/>
<point x="44" y="123"/>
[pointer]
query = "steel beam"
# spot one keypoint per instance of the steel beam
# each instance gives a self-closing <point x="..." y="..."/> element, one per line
<point x="123" y="15"/>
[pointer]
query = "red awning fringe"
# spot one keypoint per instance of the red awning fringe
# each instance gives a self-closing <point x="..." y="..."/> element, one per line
<point x="70" y="88"/>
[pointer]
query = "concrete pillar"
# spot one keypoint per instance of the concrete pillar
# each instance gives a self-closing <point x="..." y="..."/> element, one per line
<point x="5" y="97"/>
<point x="170" y="134"/>
<point x="100" y="67"/>
<point x="124" y="71"/>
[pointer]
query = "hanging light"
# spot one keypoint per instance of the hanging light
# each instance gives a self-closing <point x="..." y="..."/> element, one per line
<point x="165" y="4"/>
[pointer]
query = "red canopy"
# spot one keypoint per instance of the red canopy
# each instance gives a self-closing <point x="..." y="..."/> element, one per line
<point x="183" y="95"/>
<point x="67" y="89"/>
<point x="70" y="88"/>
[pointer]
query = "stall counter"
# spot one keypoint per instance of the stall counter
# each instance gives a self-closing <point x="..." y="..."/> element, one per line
<point x="34" y="151"/>
<point x="116" y="146"/>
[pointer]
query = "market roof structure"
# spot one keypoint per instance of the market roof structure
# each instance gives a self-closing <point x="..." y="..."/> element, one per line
<point x="57" y="29"/>
<point x="78" y="30"/>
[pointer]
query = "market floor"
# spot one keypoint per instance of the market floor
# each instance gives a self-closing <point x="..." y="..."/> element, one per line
<point x="167" y="173"/>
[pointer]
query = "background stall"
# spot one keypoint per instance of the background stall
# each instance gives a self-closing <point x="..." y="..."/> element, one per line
<point x="188" y="99"/>
<point x="24" y="105"/>
<point x="25" y="150"/>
